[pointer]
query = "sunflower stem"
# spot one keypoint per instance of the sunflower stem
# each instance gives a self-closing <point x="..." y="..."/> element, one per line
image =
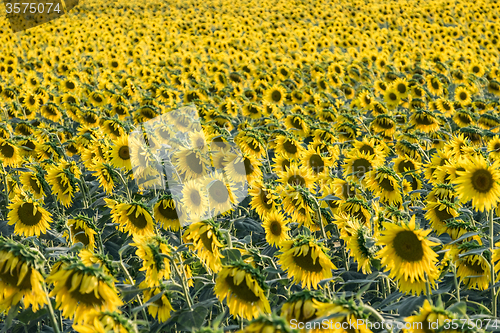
<point x="184" y="283"/>
<point x="428" y="288"/>
<point x="129" y="277"/>
<point x="129" y="195"/>
<point x="6" y="187"/>
<point x="51" y="310"/>
<point x="492" y="270"/>
<point x="455" y="280"/>
<point x="318" y="211"/>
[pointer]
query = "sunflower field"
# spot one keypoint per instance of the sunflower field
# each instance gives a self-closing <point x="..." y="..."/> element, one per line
<point x="356" y="149"/>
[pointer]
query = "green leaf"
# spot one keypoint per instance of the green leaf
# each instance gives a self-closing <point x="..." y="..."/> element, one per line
<point x="458" y="308"/>
<point x="192" y="319"/>
<point x="230" y="255"/>
<point x="464" y="236"/>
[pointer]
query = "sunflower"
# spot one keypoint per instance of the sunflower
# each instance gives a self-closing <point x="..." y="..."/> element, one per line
<point x="275" y="95"/>
<point x="194" y="200"/>
<point x="160" y="308"/>
<point x="133" y="218"/>
<point x="340" y="313"/>
<point x="296" y="176"/>
<point x="82" y="230"/>
<point x="105" y="321"/>
<point x="268" y="324"/>
<point x="28" y="217"/>
<point x="79" y="289"/>
<point x="191" y="163"/>
<point x="463" y="96"/>
<point x="357" y="208"/>
<point x="473" y="270"/>
<point x="207" y="242"/>
<point x="439" y="212"/>
<point x="391" y="98"/>
<point x="34" y="183"/>
<point x="300" y="307"/>
<point x="120" y="154"/>
<point x="90" y="258"/>
<point x="106" y="175"/>
<point x="242" y="168"/>
<point x="318" y="163"/>
<point x="221" y="193"/>
<point x="424" y="121"/>
<point x="244" y="290"/>
<point x="428" y="314"/>
<point x="153" y="251"/>
<point x="306" y="261"/>
<point x="384" y="125"/>
<point x="408" y="255"/>
<point x="63" y="179"/>
<point x="435" y="85"/>
<point x="168" y="212"/>
<point x="288" y="147"/>
<point x="20" y="277"/>
<point x="356" y="238"/>
<point x="9" y="153"/>
<point x="494" y="148"/>
<point x="264" y="197"/>
<point x="274" y="223"/>
<point x="357" y="164"/>
<point x="297" y="124"/>
<point x="479" y="182"/>
<point x="384" y="182"/>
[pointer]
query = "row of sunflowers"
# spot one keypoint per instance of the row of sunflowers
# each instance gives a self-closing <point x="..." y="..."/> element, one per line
<point x="342" y="165"/>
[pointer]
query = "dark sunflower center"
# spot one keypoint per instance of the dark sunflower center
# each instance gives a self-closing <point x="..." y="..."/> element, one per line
<point x="140" y="221"/>
<point x="34" y="185"/>
<point x="482" y="181"/>
<point x="408" y="165"/>
<point x="386" y="184"/>
<point x="80" y="235"/>
<point x="443" y="214"/>
<point x="306" y="262"/>
<point x="276" y="96"/>
<point x="275" y="228"/>
<point x="475" y="266"/>
<point x="88" y="299"/>
<point x="13" y="278"/>
<point x="435" y="84"/>
<point x="290" y="147"/>
<point x="360" y="167"/>
<point x="207" y="242"/>
<point x="393" y="96"/>
<point x="297" y="123"/>
<point x="462" y="96"/>
<point x="218" y="191"/>
<point x="169" y="212"/>
<point x="263" y="198"/>
<point x="297" y="180"/>
<point x="124" y="153"/>
<point x="242" y="291"/>
<point x="385" y="124"/>
<point x="408" y="246"/>
<point x="195" y="198"/>
<point x="25" y="213"/>
<point x="316" y="163"/>
<point x="194" y="163"/>
<point x="7" y="150"/>
<point x="424" y="120"/>
<point x="367" y="149"/>
<point x="401" y="88"/>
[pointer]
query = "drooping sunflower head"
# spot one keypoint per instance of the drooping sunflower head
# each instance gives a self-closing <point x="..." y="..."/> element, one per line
<point x="306" y="261"/>
<point x="105" y="321"/>
<point x="244" y="289"/>
<point x="266" y="323"/>
<point x="439" y="213"/>
<point x="207" y="242"/>
<point x="343" y="311"/>
<point x="264" y="197"/>
<point x="79" y="289"/>
<point x="133" y="218"/>
<point x="169" y="212"/>
<point x="20" y="277"/>
<point x="82" y="230"/>
<point x="153" y="251"/>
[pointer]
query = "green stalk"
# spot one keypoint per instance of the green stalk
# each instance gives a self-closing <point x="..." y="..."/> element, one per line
<point x="492" y="270"/>
<point x="184" y="283"/>
<point x="455" y="280"/>
<point x="51" y="310"/>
